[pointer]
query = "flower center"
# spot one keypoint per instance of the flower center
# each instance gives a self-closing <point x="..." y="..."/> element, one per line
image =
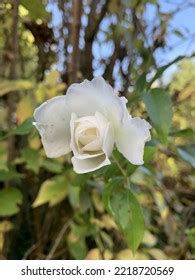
<point x="88" y="135"/>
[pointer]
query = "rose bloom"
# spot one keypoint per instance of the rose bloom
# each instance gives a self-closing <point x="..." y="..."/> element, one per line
<point x="89" y="121"/>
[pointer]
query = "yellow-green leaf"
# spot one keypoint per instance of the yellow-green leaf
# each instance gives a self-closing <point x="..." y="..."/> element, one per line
<point x="7" y="86"/>
<point x="52" y="191"/>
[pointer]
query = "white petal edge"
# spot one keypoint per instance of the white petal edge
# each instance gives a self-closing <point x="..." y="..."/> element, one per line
<point x="131" y="139"/>
<point x="108" y="143"/>
<point x="52" y="119"/>
<point x="97" y="95"/>
<point x="82" y="166"/>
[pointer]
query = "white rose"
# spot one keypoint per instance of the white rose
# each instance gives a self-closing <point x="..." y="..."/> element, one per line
<point x="89" y="120"/>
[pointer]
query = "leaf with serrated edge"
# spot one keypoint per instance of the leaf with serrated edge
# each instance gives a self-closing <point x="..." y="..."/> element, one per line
<point x="126" y="211"/>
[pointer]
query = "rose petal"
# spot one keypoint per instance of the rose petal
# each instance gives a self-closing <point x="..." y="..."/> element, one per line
<point x="88" y="97"/>
<point x="73" y="144"/>
<point x="126" y="114"/>
<point x="108" y="143"/>
<point x="86" y="163"/>
<point x="53" y="123"/>
<point x="93" y="146"/>
<point x="101" y="123"/>
<point x="103" y="143"/>
<point x="131" y="138"/>
<point x="81" y="166"/>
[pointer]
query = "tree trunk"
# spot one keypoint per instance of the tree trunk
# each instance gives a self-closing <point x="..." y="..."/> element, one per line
<point x="75" y="35"/>
<point x="11" y="101"/>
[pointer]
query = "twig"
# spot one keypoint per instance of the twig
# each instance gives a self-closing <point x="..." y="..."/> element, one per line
<point x="95" y="20"/>
<point x="57" y="241"/>
<point x="29" y="251"/>
<point x="90" y="33"/>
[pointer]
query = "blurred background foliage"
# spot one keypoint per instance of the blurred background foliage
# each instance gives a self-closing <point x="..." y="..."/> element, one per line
<point x="46" y="210"/>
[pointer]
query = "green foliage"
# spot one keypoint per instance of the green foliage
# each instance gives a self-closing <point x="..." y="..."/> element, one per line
<point x="77" y="241"/>
<point x="7" y="175"/>
<point x="158" y="106"/>
<point x="187" y="154"/>
<point x="36" y="9"/>
<point x="3" y="161"/>
<point x="124" y="207"/>
<point x="191" y="237"/>
<point x="149" y="153"/>
<point x="31" y="157"/>
<point x="95" y="215"/>
<point x="24" y="128"/>
<point x="162" y="69"/>
<point x="52" y="166"/>
<point x="52" y="191"/>
<point x="187" y="132"/>
<point x="7" y="86"/>
<point x="185" y="76"/>
<point x="10" y="199"/>
<point x="74" y="196"/>
<point x="78" y="249"/>
<point x="50" y="87"/>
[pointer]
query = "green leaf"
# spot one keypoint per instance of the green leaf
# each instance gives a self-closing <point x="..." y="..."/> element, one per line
<point x="52" y="191"/>
<point x="74" y="196"/>
<point x="31" y="158"/>
<point x="78" y="249"/>
<point x="3" y="157"/>
<point x="10" y="199"/>
<point x="131" y="168"/>
<point x="158" y="106"/>
<point x="126" y="211"/>
<point x="3" y="165"/>
<point x="187" y="153"/>
<point x="187" y="132"/>
<point x="80" y="179"/>
<point x="24" y="128"/>
<point x="161" y="70"/>
<point x="149" y="152"/>
<point x="7" y="175"/>
<point x="110" y="171"/>
<point x="53" y="166"/>
<point x="36" y="9"/>
<point x="191" y="236"/>
<point x="77" y="239"/>
<point x="140" y="83"/>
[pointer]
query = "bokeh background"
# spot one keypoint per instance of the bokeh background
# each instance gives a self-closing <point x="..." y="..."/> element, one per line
<point x="46" y="210"/>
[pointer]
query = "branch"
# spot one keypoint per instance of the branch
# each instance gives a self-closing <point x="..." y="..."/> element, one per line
<point x="108" y="73"/>
<point x="95" y="20"/>
<point x="91" y="30"/>
<point x="75" y="35"/>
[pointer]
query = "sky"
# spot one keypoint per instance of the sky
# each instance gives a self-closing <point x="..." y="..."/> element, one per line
<point x="183" y="21"/>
